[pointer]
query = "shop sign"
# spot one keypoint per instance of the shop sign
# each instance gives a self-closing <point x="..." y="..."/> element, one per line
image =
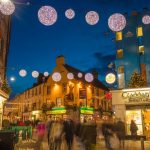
<point x="87" y="110"/>
<point x="137" y="96"/>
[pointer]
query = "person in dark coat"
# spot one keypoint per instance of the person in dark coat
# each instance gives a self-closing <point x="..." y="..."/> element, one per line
<point x="120" y="131"/>
<point x="133" y="128"/>
<point x="107" y="131"/>
<point x="69" y="132"/>
<point x="89" y="134"/>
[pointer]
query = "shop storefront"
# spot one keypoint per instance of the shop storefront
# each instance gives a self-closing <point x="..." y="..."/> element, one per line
<point x="3" y="98"/>
<point x="133" y="104"/>
<point x="36" y="115"/>
<point x="86" y="114"/>
<point x="57" y="112"/>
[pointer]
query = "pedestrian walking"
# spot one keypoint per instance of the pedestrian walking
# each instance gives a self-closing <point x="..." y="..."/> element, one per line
<point x="133" y="129"/>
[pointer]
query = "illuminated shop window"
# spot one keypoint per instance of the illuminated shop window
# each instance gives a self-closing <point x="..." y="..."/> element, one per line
<point x="141" y="49"/>
<point x="118" y="36"/>
<point x="121" y="77"/>
<point x="119" y="53"/>
<point x="139" y="31"/>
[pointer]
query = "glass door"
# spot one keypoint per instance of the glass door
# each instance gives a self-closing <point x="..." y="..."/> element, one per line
<point x="135" y="115"/>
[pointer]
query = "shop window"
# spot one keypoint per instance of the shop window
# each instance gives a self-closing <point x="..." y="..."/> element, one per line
<point x="48" y="89"/>
<point x="35" y="91"/>
<point x="32" y="92"/>
<point x="40" y="90"/>
<point x="139" y="31"/>
<point x="64" y="87"/>
<point x="141" y="49"/>
<point x="118" y="36"/>
<point x="58" y="101"/>
<point x="121" y="77"/>
<point x="120" y="53"/>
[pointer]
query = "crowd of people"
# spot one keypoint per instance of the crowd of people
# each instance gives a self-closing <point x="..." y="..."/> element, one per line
<point x="67" y="134"/>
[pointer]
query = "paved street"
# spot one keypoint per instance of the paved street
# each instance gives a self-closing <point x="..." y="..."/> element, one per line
<point x="37" y="145"/>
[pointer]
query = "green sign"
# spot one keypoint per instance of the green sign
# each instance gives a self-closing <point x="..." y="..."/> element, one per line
<point x="87" y="110"/>
<point x="57" y="110"/>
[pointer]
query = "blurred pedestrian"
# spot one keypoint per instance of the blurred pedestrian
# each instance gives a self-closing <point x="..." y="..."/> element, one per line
<point x="120" y="131"/>
<point x="133" y="128"/>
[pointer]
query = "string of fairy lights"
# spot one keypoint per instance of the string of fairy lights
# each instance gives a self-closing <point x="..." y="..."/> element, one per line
<point x="48" y="16"/>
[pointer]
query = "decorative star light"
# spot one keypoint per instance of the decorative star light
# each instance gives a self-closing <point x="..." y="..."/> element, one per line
<point x="92" y="17"/>
<point x="56" y="76"/>
<point x="89" y="77"/>
<point x="110" y="78"/>
<point x="7" y="7"/>
<point x="80" y="75"/>
<point x="22" y="73"/>
<point x="70" y="76"/>
<point x="47" y="15"/>
<point x="35" y="74"/>
<point x="117" y="22"/>
<point x="146" y="19"/>
<point x="69" y="13"/>
<point x="46" y="74"/>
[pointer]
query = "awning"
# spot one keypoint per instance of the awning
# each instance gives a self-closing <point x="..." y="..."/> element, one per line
<point x="57" y="111"/>
<point x="87" y="110"/>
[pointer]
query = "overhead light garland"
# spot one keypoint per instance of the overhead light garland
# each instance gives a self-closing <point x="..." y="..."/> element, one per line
<point x="56" y="76"/>
<point x="70" y="13"/>
<point x="7" y="7"/>
<point x="89" y="77"/>
<point x="47" y="15"/>
<point x="35" y="74"/>
<point x="22" y="73"/>
<point x="146" y="19"/>
<point x="117" y="22"/>
<point x="92" y="17"/>
<point x="70" y="76"/>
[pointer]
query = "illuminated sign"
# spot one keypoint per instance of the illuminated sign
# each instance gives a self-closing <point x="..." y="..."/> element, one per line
<point x="137" y="96"/>
<point x="110" y="78"/>
<point x="87" y="110"/>
<point x="57" y="110"/>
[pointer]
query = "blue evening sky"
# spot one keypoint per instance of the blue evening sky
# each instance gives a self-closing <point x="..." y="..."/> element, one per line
<point x="34" y="46"/>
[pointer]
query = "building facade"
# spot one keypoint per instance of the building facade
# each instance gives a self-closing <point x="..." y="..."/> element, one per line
<point x="64" y="93"/>
<point x="133" y="49"/>
<point x="133" y="104"/>
<point x="4" y="46"/>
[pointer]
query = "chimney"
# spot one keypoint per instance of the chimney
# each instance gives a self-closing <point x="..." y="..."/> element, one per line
<point x="95" y="74"/>
<point x="60" y="60"/>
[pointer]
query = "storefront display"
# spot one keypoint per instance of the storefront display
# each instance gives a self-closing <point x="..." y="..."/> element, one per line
<point x="136" y="116"/>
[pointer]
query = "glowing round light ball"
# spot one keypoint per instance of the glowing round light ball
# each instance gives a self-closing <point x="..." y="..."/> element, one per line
<point x="7" y="7"/>
<point x="117" y="22"/>
<point x="35" y="74"/>
<point x="70" y="76"/>
<point x="89" y="77"/>
<point x="110" y="78"/>
<point x="92" y="17"/>
<point x="47" y="15"/>
<point x="146" y="19"/>
<point x="69" y="13"/>
<point x="56" y="76"/>
<point x="80" y="75"/>
<point x="22" y="73"/>
<point x="46" y="74"/>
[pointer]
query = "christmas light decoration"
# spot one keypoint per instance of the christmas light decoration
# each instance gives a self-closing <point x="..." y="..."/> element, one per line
<point x="117" y="22"/>
<point x="47" y="15"/>
<point x="110" y="78"/>
<point x="22" y="73"/>
<point x="56" y="76"/>
<point x="146" y="19"/>
<point x="89" y="77"/>
<point x="35" y="74"/>
<point x="70" y="76"/>
<point x="12" y="79"/>
<point x="46" y="74"/>
<point x="7" y="7"/>
<point x="92" y="17"/>
<point x="80" y="75"/>
<point x="69" y="13"/>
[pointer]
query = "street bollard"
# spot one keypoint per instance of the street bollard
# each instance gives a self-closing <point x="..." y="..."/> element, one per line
<point x="142" y="143"/>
